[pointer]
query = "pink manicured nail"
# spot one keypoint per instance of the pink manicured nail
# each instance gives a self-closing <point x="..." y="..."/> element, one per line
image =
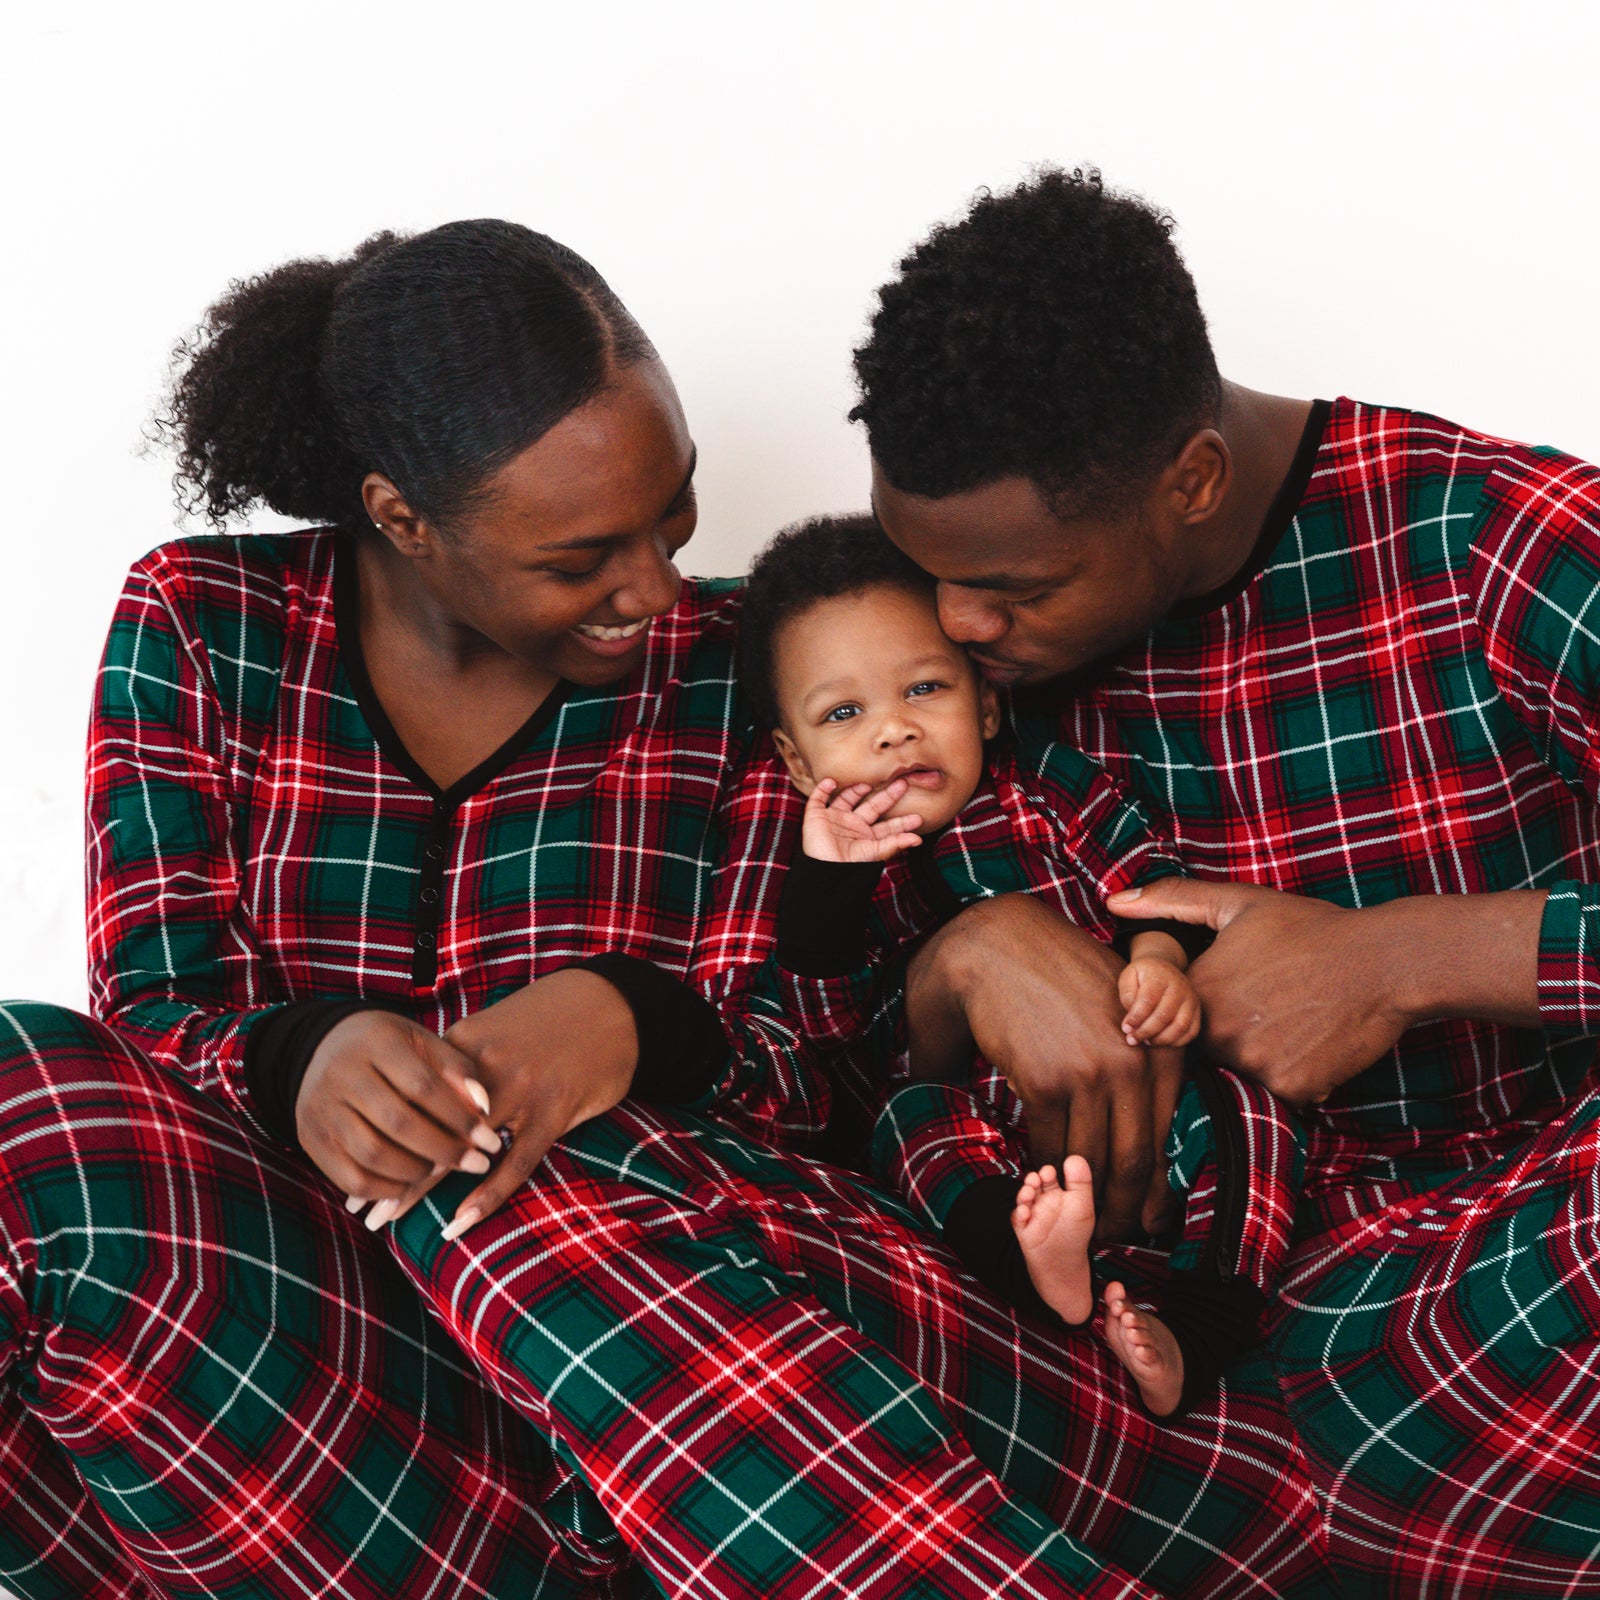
<point x="454" y="1230"/>
<point x="479" y="1095"/>
<point x="486" y="1140"/>
<point x="474" y="1161"/>
<point x="381" y="1213"/>
<point x="353" y="1203"/>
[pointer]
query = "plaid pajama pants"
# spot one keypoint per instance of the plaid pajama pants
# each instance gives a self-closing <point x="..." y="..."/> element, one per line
<point x="767" y="1371"/>
<point x="749" y="1368"/>
<point x="1441" y="1361"/>
<point x="247" y="1385"/>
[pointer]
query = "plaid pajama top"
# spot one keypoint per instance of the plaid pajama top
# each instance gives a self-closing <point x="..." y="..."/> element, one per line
<point x="1400" y="695"/>
<point x="814" y="988"/>
<point x="258" y="838"/>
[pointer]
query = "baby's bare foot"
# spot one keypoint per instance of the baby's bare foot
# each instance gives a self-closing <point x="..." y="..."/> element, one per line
<point x="1053" y="1222"/>
<point x="1143" y="1343"/>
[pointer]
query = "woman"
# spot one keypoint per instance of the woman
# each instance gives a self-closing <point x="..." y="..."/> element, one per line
<point x="401" y="832"/>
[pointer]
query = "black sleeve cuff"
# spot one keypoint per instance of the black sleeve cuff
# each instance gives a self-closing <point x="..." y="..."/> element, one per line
<point x="682" y="1047"/>
<point x="822" y="915"/>
<point x="1193" y="939"/>
<point x="1216" y="1323"/>
<point x="279" y="1048"/>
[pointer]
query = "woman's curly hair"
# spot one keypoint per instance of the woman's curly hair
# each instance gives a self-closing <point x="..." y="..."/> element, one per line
<point x="1052" y="333"/>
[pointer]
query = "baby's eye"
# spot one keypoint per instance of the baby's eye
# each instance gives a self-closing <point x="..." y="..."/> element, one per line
<point x="842" y="713"/>
<point x="926" y="687"/>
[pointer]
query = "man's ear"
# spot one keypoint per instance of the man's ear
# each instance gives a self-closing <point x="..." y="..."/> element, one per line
<point x="392" y="517"/>
<point x="989" y="708"/>
<point x="799" y="768"/>
<point x="1199" y="479"/>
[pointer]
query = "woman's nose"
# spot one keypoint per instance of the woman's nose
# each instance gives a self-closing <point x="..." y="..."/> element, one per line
<point x="650" y="587"/>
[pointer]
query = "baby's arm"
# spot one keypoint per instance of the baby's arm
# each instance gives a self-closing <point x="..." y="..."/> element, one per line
<point x="1160" y="1005"/>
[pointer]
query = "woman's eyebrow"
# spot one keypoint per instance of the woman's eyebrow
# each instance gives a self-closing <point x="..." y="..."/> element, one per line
<point x="597" y="541"/>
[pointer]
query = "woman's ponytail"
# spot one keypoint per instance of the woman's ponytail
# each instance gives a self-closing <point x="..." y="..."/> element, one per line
<point x="247" y="412"/>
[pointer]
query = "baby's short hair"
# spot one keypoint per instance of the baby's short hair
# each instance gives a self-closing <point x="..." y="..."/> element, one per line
<point x="820" y="559"/>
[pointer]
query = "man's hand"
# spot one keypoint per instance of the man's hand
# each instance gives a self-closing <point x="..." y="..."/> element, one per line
<point x="1038" y="997"/>
<point x="1299" y="994"/>
<point x="844" y="824"/>
<point x="385" y="1104"/>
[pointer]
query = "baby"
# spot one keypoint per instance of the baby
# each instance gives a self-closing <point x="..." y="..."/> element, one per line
<point x="911" y="801"/>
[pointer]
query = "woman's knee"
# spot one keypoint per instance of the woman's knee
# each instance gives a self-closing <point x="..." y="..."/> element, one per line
<point x="38" y="1037"/>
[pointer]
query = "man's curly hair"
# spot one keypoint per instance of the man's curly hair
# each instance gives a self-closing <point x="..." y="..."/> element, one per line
<point x="1052" y="333"/>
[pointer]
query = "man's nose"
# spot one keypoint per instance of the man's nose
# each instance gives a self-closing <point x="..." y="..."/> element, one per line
<point x="970" y="617"/>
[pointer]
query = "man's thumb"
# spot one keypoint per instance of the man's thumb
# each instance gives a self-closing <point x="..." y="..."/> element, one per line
<point x="1207" y="905"/>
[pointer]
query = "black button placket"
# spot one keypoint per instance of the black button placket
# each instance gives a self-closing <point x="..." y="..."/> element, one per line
<point x="430" y="896"/>
<point x="436" y="835"/>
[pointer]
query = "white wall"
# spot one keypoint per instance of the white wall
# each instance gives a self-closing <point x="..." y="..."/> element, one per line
<point x="1393" y="200"/>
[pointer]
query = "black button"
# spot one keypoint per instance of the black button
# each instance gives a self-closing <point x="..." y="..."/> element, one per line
<point x="434" y="852"/>
<point x="424" y="941"/>
<point x="428" y="896"/>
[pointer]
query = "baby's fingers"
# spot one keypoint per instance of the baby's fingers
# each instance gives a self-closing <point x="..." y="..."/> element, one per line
<point x="1159" y="1015"/>
<point x="874" y="806"/>
<point x="887" y="846"/>
<point x="1139" y="997"/>
<point x="1183" y="1029"/>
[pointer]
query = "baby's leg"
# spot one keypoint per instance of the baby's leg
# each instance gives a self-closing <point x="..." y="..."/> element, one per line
<point x="1145" y="1345"/>
<point x="1053" y="1222"/>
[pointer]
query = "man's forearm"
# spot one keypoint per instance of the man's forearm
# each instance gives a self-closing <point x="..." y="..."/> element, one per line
<point x="936" y="1023"/>
<point x="1469" y="955"/>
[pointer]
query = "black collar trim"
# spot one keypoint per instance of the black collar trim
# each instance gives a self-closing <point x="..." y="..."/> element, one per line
<point x="1276" y="522"/>
<point x="347" y="628"/>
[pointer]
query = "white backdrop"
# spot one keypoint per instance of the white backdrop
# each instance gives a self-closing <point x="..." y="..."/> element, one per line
<point x="1394" y="200"/>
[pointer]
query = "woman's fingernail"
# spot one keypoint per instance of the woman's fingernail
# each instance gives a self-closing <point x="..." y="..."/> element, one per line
<point x="1128" y="894"/>
<point x="381" y="1213"/>
<point x="479" y="1095"/>
<point x="474" y="1161"/>
<point x="353" y="1203"/>
<point x="454" y="1230"/>
<point x="486" y="1139"/>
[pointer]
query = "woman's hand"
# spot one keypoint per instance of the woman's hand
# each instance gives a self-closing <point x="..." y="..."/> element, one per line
<point x="551" y="1055"/>
<point x="844" y="825"/>
<point x="385" y="1104"/>
<point x="1038" y="997"/>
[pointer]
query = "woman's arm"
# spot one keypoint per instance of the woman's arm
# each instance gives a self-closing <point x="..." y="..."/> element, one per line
<point x="174" y="964"/>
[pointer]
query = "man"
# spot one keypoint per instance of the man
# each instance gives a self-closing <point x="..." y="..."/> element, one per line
<point x="1350" y="656"/>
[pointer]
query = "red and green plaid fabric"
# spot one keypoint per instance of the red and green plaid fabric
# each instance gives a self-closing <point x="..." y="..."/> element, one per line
<point x="1403" y="702"/>
<point x="1043" y="821"/>
<point x="247" y="1385"/>
<point x="769" y="1373"/>
<point x="253" y="1401"/>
